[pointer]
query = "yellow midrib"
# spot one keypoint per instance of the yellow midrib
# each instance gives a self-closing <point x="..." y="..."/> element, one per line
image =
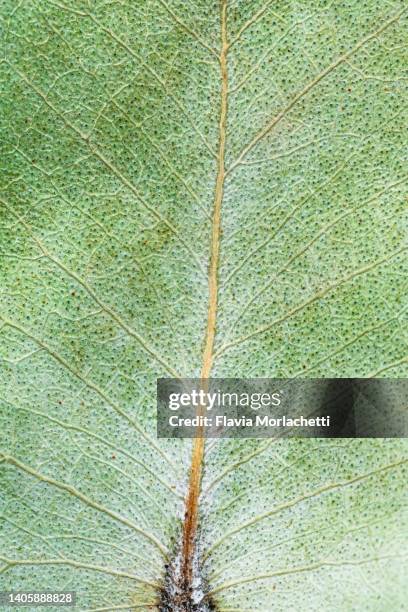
<point x="192" y="499"/>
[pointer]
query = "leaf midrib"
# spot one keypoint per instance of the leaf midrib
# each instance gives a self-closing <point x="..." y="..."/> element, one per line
<point x="196" y="467"/>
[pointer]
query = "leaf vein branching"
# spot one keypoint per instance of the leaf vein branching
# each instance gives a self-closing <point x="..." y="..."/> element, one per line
<point x="311" y="85"/>
<point x="301" y="147"/>
<point x="350" y="342"/>
<point x="188" y="29"/>
<point x="9" y="563"/>
<point x="33" y="535"/>
<point x="102" y="440"/>
<point x="166" y="160"/>
<point x="235" y="465"/>
<point x="150" y="70"/>
<point x="110" y="545"/>
<point x="290" y="540"/>
<point x="319" y="295"/>
<point x="107" y="309"/>
<point x="289" y="504"/>
<point x="326" y="229"/>
<point x="258" y="15"/>
<point x="313" y="193"/>
<point x="85" y="499"/>
<point x="389" y="366"/>
<point x="301" y="569"/>
<point x="91" y="385"/>
<point x="373" y="77"/>
<point x="126" y="476"/>
<point x="267" y="53"/>
<point x="123" y="179"/>
<point x="164" y="308"/>
<point x="68" y="9"/>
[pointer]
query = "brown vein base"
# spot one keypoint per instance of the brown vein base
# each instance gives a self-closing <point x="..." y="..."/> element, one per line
<point x="188" y="573"/>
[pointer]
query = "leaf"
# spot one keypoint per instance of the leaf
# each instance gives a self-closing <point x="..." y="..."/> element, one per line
<point x="199" y="188"/>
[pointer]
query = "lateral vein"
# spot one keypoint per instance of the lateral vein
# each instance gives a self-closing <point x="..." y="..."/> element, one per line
<point x="85" y="499"/>
<point x="340" y="60"/>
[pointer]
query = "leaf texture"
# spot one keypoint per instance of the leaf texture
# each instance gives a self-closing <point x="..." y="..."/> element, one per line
<point x="205" y="188"/>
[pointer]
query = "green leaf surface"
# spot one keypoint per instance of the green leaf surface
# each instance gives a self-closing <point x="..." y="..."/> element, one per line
<point x="122" y="122"/>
